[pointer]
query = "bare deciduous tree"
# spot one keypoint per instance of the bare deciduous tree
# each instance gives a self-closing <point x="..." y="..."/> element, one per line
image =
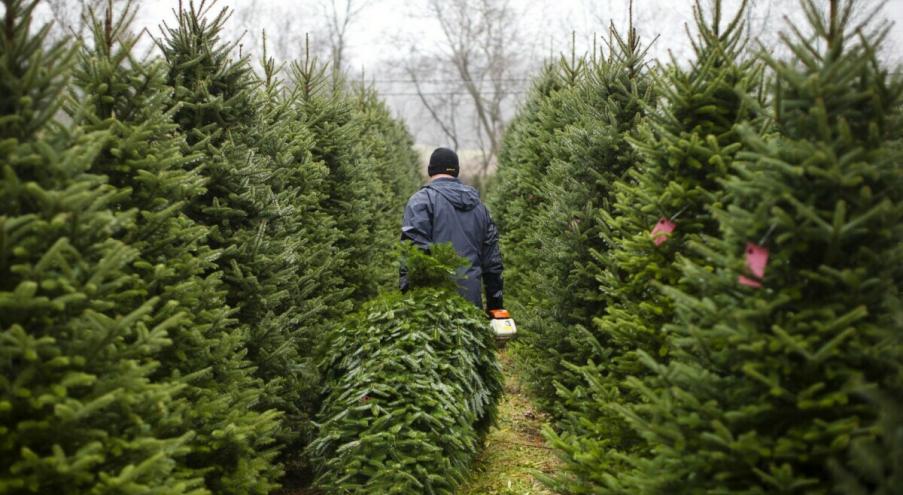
<point x="475" y="62"/>
<point x="340" y="19"/>
<point x="289" y="26"/>
<point x="70" y="17"/>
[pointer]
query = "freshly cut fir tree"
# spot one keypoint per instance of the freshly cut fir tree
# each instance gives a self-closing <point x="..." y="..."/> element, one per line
<point x="763" y="391"/>
<point x="79" y="337"/>
<point x="411" y="387"/>
<point x="685" y="149"/>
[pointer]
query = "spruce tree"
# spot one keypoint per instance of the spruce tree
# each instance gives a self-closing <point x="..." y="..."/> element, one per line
<point x="873" y="464"/>
<point x="390" y="162"/>
<point x="583" y="155"/>
<point x="79" y="411"/>
<point x="295" y="289"/>
<point x="390" y="148"/>
<point x="586" y="157"/>
<point x="685" y="148"/>
<point x="762" y="391"/>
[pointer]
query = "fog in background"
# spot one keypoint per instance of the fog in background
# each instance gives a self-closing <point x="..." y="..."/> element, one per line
<point x="456" y="70"/>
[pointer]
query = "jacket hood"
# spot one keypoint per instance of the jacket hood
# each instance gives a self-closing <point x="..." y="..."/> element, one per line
<point x="460" y="195"/>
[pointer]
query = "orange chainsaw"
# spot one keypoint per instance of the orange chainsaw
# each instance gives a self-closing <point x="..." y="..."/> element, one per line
<point x="502" y="324"/>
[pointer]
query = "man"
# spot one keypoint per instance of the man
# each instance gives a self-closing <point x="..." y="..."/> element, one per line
<point x="446" y="210"/>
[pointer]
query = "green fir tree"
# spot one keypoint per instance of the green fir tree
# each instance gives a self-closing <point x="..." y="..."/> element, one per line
<point x="588" y="157"/>
<point x="352" y="190"/>
<point x="219" y="102"/>
<point x="516" y="190"/>
<point x="762" y="392"/>
<point x="874" y="463"/>
<point x="79" y="410"/>
<point x="390" y="148"/>
<point x="516" y="197"/>
<point x="295" y="286"/>
<point x="685" y="149"/>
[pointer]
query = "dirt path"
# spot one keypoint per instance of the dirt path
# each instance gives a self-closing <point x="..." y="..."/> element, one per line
<point x="514" y="449"/>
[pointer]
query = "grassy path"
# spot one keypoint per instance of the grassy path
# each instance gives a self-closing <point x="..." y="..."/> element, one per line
<point x="514" y="449"/>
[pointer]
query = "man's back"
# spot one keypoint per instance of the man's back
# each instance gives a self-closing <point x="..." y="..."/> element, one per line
<point x="447" y="210"/>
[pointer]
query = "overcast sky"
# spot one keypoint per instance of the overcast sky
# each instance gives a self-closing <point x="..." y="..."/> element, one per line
<point x="386" y="30"/>
<point x="548" y="23"/>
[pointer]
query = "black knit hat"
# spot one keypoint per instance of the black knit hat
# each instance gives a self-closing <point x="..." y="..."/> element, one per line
<point x="444" y="161"/>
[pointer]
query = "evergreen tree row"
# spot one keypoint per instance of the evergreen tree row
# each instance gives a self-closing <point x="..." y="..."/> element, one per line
<point x="718" y="278"/>
<point x="175" y="235"/>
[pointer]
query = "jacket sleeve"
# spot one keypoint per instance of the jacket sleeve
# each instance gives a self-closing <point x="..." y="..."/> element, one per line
<point x="416" y="227"/>
<point x="492" y="266"/>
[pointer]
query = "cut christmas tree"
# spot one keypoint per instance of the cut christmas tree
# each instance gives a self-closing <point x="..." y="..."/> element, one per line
<point x="412" y="385"/>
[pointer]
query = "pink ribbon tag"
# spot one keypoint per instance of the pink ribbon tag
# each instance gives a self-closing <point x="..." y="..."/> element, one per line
<point x="756" y="260"/>
<point x="749" y="282"/>
<point x="661" y="230"/>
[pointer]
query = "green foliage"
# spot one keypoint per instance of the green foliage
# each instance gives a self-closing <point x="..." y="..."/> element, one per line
<point x="172" y="252"/>
<point x="391" y="149"/>
<point x="588" y="157"/>
<point x="667" y="374"/>
<point x="516" y="198"/>
<point x="874" y="463"/>
<point x="412" y="386"/>
<point x="352" y="189"/>
<point x="684" y="150"/>
<point x="257" y="361"/>
<point x="79" y="412"/>
<point x="580" y="132"/>
<point x="288" y="289"/>
<point x="517" y="188"/>
<point x="440" y="268"/>
<point x="762" y="393"/>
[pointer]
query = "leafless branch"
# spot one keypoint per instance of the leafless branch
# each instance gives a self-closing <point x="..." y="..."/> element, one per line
<point x="477" y="55"/>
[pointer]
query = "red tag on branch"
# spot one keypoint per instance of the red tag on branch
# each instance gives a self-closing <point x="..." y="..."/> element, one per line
<point x="756" y="261"/>
<point x="662" y="230"/>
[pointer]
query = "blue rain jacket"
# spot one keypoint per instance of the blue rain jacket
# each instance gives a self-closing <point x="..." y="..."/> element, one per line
<point x="446" y="210"/>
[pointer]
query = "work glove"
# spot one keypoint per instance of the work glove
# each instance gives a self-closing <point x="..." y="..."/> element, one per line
<point x="492" y="283"/>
